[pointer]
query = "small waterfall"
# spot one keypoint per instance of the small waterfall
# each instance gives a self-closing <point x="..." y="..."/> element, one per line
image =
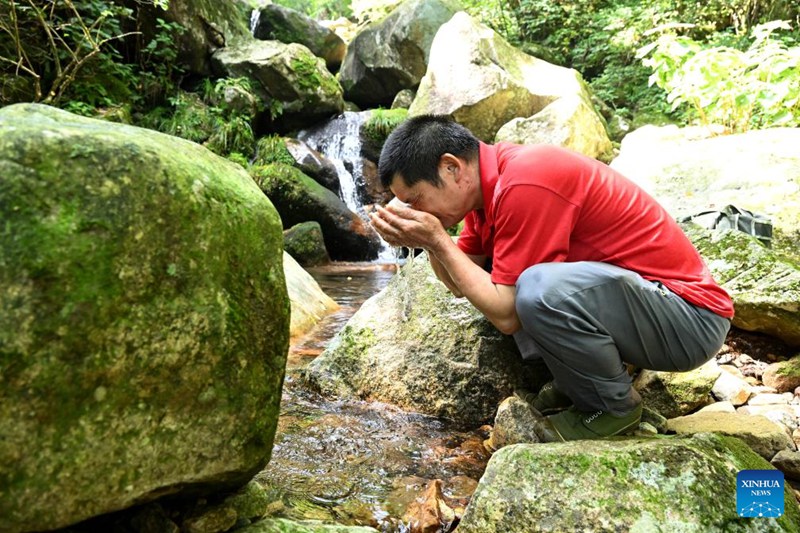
<point x="254" y="16"/>
<point x="339" y="140"/>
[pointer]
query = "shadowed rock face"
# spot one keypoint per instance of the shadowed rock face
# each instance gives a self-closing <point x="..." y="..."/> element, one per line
<point x="280" y="23"/>
<point x="143" y="318"/>
<point x="392" y="54"/>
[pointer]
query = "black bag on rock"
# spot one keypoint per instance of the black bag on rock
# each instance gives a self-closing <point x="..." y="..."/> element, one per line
<point x="732" y="217"/>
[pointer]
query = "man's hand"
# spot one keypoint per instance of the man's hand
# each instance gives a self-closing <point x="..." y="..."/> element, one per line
<point x="400" y="225"/>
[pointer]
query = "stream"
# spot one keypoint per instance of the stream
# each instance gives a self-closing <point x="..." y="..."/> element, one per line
<point x="358" y="462"/>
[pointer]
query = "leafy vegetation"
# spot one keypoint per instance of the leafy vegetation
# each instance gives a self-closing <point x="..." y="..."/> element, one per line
<point x="57" y="51"/>
<point x="738" y="89"/>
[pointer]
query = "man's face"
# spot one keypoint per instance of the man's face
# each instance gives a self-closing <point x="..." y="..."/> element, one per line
<point x="445" y="202"/>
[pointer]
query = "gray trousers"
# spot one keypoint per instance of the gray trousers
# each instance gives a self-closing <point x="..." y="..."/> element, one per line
<point x="585" y="320"/>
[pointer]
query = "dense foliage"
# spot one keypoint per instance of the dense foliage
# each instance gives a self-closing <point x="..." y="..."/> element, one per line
<point x="89" y="53"/>
<point x="738" y="89"/>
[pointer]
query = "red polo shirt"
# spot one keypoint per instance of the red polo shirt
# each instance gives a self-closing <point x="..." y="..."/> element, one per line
<point x="546" y="204"/>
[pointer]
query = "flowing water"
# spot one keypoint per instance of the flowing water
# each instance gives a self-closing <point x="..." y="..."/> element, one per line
<point x="355" y="462"/>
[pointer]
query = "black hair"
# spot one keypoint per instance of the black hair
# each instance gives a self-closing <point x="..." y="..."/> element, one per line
<point x="414" y="149"/>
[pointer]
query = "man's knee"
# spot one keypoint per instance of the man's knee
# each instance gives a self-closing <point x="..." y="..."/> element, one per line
<point x="537" y="288"/>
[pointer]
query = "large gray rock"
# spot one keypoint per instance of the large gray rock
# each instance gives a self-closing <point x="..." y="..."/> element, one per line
<point x="279" y="23"/>
<point x="292" y="83"/>
<point x="416" y="346"/>
<point x="765" y="287"/>
<point x="314" y="164"/>
<point x="570" y="121"/>
<point x="689" y="171"/>
<point x="637" y="485"/>
<point x="484" y="82"/>
<point x="298" y="199"/>
<point x="392" y="54"/>
<point x="143" y="319"/>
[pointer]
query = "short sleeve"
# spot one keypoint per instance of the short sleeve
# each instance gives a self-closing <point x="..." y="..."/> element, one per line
<point x="533" y="225"/>
<point x="469" y="240"/>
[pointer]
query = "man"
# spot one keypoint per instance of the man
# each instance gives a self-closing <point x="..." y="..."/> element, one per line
<point x="587" y="270"/>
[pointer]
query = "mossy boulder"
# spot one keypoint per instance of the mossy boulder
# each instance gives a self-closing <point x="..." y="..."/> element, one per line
<point x="143" y="318"/>
<point x="637" y="484"/>
<point x="305" y="243"/>
<point x="292" y="83"/>
<point x="392" y="53"/>
<point x="298" y="199"/>
<point x="483" y="82"/>
<point x="764" y="285"/>
<point x="674" y="394"/>
<point x="314" y="164"/>
<point x="279" y="23"/>
<point x="416" y="346"/>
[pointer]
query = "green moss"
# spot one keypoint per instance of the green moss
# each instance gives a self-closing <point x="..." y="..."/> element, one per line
<point x="143" y="314"/>
<point x="272" y="149"/>
<point x="381" y="123"/>
<point x="310" y="71"/>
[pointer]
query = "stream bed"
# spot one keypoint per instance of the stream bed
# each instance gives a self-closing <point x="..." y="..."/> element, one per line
<point x="355" y="462"/>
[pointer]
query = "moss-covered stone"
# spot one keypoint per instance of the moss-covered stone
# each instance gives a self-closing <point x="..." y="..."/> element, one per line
<point x="765" y="287"/>
<point x="298" y="199"/>
<point x="309" y="303"/>
<point x="284" y="76"/>
<point x="143" y="318"/>
<point x="280" y="23"/>
<point x="377" y="128"/>
<point x="677" y="393"/>
<point x="305" y="243"/>
<point x="638" y="485"/>
<point x="417" y="346"/>
<point x="783" y="376"/>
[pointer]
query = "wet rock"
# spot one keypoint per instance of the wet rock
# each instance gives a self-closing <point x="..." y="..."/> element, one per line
<point x="283" y="525"/>
<point x="731" y="389"/>
<point x="483" y="82"/>
<point x="430" y="513"/>
<point x="298" y="199"/>
<point x="783" y="376"/>
<point x="655" y="419"/>
<point x="152" y="517"/>
<point x="403" y="99"/>
<point x="416" y="346"/>
<point x="619" y="485"/>
<point x="314" y="164"/>
<point x="765" y="286"/>
<point x="677" y="393"/>
<point x="392" y="54"/>
<point x="571" y="122"/>
<point x="765" y="437"/>
<point x="788" y="462"/>
<point x="287" y="78"/>
<point x="276" y="22"/>
<point x="513" y="424"/>
<point x="143" y="318"/>
<point x="309" y="303"/>
<point x="305" y="243"/>
<point x="215" y="520"/>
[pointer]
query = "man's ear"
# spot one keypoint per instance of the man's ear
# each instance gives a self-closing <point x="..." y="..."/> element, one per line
<point x="450" y="165"/>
